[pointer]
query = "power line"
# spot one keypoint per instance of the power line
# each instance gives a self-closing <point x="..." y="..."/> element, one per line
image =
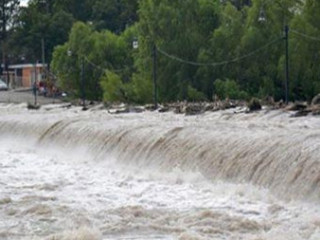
<point x="101" y="68"/>
<point x="304" y="35"/>
<point x="93" y="65"/>
<point x="214" y="64"/>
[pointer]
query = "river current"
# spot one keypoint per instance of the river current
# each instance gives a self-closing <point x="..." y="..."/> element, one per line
<point x="72" y="175"/>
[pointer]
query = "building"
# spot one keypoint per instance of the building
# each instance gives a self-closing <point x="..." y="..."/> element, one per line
<point x="24" y="75"/>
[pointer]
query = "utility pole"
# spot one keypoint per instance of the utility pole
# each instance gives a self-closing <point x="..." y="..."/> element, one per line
<point x="286" y="31"/>
<point x="7" y="9"/>
<point x="44" y="72"/>
<point x="3" y="39"/>
<point x="43" y="46"/>
<point x="34" y="87"/>
<point x="82" y="85"/>
<point x="154" y="71"/>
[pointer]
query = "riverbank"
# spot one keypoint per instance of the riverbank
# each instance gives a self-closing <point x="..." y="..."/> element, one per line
<point x="297" y="109"/>
<point x="25" y="96"/>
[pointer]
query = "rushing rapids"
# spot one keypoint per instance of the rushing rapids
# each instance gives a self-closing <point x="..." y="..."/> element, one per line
<point x="68" y="174"/>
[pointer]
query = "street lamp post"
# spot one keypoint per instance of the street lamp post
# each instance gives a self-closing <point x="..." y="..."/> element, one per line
<point x="135" y="45"/>
<point x="35" y="85"/>
<point x="34" y="90"/>
<point x="43" y="57"/>
<point x="82" y="83"/>
<point x="262" y="18"/>
<point x="154" y="71"/>
<point x="286" y="31"/>
<point x="43" y="44"/>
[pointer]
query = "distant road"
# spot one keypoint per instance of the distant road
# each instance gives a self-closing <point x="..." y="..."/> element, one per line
<point x="25" y="96"/>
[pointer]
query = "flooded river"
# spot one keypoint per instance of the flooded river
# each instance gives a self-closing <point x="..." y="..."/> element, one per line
<point x="72" y="175"/>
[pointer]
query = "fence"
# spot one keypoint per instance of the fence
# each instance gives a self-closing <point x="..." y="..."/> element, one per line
<point x="13" y="81"/>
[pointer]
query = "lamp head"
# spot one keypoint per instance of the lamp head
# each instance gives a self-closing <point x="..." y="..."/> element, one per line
<point x="135" y="44"/>
<point x="262" y="16"/>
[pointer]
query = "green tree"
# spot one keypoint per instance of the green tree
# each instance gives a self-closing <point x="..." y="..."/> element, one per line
<point x="49" y="22"/>
<point x="180" y="28"/>
<point x="252" y="48"/>
<point x="305" y="52"/>
<point x="239" y="4"/>
<point x="198" y="42"/>
<point x="36" y="24"/>
<point x="229" y="89"/>
<point x="113" y="88"/>
<point x="8" y="13"/>
<point x="223" y="46"/>
<point x="81" y="10"/>
<point x="99" y="52"/>
<point x="114" y="15"/>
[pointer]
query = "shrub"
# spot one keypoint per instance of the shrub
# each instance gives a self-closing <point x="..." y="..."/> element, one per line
<point x="229" y="89"/>
<point x="195" y="95"/>
<point x="254" y="104"/>
<point x="113" y="88"/>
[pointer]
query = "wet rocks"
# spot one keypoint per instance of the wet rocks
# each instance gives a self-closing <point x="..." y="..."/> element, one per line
<point x="39" y="209"/>
<point x="124" y="108"/>
<point x="164" y="109"/>
<point x="137" y="109"/>
<point x="194" y="109"/>
<point x="297" y="106"/>
<point x="31" y="106"/>
<point x="307" y="111"/>
<point x="179" y="107"/>
<point x="190" y="109"/>
<point x="97" y="107"/>
<point x="316" y="100"/>
<point x="150" y="107"/>
<point x="254" y="105"/>
<point x="303" y="109"/>
<point x="5" y="200"/>
<point x="315" y="105"/>
<point x="119" y="110"/>
<point x="301" y="113"/>
<point x="315" y="110"/>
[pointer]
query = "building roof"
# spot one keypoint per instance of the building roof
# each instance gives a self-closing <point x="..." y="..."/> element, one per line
<point x="27" y="65"/>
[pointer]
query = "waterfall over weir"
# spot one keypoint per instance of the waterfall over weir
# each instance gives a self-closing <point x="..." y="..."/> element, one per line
<point x="267" y="149"/>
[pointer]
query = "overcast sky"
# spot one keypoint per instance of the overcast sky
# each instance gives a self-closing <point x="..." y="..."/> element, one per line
<point x="24" y="2"/>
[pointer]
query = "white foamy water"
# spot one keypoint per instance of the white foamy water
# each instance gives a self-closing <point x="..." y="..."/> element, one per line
<point x="67" y="174"/>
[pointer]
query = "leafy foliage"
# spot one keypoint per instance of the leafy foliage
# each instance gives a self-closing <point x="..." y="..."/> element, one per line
<point x="113" y="88"/>
<point x="199" y="42"/>
<point x="97" y="53"/>
<point x="8" y="15"/>
<point x="229" y="89"/>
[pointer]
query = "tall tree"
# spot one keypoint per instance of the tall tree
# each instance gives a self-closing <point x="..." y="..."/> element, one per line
<point x="81" y="10"/>
<point x="114" y="15"/>
<point x="96" y="53"/>
<point x="40" y="24"/>
<point x="223" y="45"/>
<point x="305" y="52"/>
<point x="8" y="11"/>
<point x="181" y="29"/>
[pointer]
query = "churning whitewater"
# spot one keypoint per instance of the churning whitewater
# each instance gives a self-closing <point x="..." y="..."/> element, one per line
<point x="68" y="174"/>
